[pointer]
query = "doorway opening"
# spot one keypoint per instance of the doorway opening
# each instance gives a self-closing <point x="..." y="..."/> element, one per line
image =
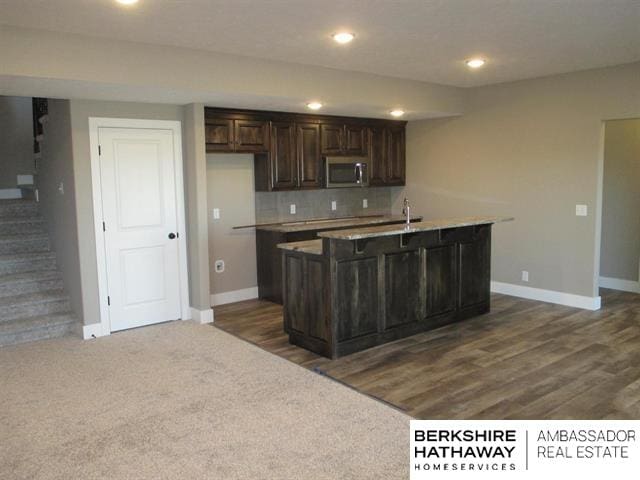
<point x="620" y="224"/>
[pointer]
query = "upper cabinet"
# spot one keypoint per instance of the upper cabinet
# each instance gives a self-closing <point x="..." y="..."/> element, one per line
<point x="289" y="148"/>
<point x="332" y="136"/>
<point x="395" y="156"/>
<point x="343" y="139"/>
<point x="309" y="156"/>
<point x="236" y="135"/>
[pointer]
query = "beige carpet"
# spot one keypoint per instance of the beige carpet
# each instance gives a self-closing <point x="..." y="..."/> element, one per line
<point x="185" y="401"/>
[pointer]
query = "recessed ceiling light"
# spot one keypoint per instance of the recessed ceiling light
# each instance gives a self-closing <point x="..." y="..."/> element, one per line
<point x="396" y="113"/>
<point x="314" y="105"/>
<point x="475" y="62"/>
<point x="127" y="2"/>
<point x="343" y="37"/>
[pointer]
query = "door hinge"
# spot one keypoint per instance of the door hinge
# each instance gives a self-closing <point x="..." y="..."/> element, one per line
<point x="108" y="301"/>
<point x="99" y="150"/>
<point x="104" y="227"/>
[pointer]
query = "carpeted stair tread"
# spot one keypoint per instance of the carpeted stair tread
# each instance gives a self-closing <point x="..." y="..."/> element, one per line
<point x="33" y="298"/>
<point x="27" y="262"/>
<point x="40" y="327"/>
<point x="32" y="323"/>
<point x="17" y="237"/>
<point x="28" y="277"/>
<point x="23" y="225"/>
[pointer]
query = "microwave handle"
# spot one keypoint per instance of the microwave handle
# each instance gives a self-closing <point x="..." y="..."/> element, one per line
<point x="358" y="169"/>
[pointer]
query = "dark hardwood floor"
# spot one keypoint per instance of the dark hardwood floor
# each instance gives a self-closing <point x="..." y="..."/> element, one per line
<point x="524" y="360"/>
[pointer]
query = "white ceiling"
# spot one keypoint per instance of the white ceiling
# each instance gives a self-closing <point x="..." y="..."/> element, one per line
<point x="426" y="40"/>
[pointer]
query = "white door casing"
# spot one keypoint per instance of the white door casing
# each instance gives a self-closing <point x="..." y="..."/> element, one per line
<point x="138" y="205"/>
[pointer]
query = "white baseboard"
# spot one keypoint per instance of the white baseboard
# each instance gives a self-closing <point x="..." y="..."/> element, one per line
<point x="234" y="296"/>
<point x="93" y="331"/>
<point x="620" y="284"/>
<point x="10" y="193"/>
<point x="202" y="316"/>
<point x="551" y="296"/>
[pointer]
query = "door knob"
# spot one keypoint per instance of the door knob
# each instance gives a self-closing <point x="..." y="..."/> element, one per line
<point x="172" y="236"/>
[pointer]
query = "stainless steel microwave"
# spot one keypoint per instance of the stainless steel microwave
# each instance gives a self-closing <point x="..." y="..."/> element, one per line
<point x="346" y="172"/>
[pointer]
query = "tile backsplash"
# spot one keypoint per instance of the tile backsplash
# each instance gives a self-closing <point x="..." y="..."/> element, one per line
<point x="272" y="207"/>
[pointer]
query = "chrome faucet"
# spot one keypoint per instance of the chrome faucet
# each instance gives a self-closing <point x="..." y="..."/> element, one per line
<point x="406" y="210"/>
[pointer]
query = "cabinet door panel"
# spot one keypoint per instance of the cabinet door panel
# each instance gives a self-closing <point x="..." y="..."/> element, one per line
<point x="377" y="156"/>
<point x="357" y="297"/>
<point x="403" y="299"/>
<point x="284" y="169"/>
<point x="316" y="301"/>
<point x="251" y="135"/>
<point x="309" y="158"/>
<point x="441" y="280"/>
<point x="396" y="156"/>
<point x="294" y="301"/>
<point x="332" y="138"/>
<point x="355" y="140"/>
<point x="475" y="266"/>
<point x="219" y="135"/>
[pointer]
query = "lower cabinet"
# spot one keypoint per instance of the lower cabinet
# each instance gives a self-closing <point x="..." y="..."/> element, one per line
<point x="367" y="292"/>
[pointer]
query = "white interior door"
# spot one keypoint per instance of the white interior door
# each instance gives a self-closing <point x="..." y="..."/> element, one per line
<point x="138" y="179"/>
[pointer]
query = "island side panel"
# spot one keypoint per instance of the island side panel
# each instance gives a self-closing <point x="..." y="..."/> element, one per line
<point x="306" y="301"/>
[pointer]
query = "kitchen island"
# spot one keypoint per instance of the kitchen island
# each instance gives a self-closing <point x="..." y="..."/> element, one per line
<point x="357" y="288"/>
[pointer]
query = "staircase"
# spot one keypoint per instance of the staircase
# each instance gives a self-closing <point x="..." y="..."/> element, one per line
<point x="33" y="304"/>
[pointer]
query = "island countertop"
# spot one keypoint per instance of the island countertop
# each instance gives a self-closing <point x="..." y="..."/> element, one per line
<point x="306" y="225"/>
<point x="425" y="226"/>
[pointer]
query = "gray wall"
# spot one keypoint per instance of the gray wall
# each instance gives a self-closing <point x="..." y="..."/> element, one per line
<point x="16" y="140"/>
<point x="274" y="207"/>
<point x="195" y="178"/>
<point x="59" y="210"/>
<point x="230" y="182"/>
<point x="533" y="150"/>
<point x="81" y="110"/>
<point x="620" y="250"/>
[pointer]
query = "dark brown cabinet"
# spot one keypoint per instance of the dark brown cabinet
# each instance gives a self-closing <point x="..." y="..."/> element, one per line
<point x="356" y="140"/>
<point x="332" y="138"/>
<point x="395" y="156"/>
<point x="284" y="169"/>
<point x="289" y="148"/>
<point x="219" y="135"/>
<point x="341" y="139"/>
<point x="380" y="289"/>
<point x="251" y="135"/>
<point x="228" y="135"/>
<point x="309" y="157"/>
<point x="377" y="156"/>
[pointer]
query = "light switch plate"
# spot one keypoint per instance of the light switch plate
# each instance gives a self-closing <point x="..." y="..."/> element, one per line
<point x="581" y="210"/>
<point x="365" y="203"/>
<point x="334" y="205"/>
<point x="216" y="214"/>
<point x="292" y="209"/>
<point x="219" y="266"/>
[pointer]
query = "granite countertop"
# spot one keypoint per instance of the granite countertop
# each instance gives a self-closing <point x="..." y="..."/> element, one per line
<point x="387" y="230"/>
<point x="329" y="223"/>
<point x="313" y="247"/>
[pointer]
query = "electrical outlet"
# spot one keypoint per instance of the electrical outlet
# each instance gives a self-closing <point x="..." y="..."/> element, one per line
<point x="219" y="266"/>
<point x="216" y="214"/>
<point x="525" y="276"/>
<point x="334" y="205"/>
<point x="61" y="188"/>
<point x="292" y="209"/>
<point x="581" y="210"/>
<point x="365" y="203"/>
